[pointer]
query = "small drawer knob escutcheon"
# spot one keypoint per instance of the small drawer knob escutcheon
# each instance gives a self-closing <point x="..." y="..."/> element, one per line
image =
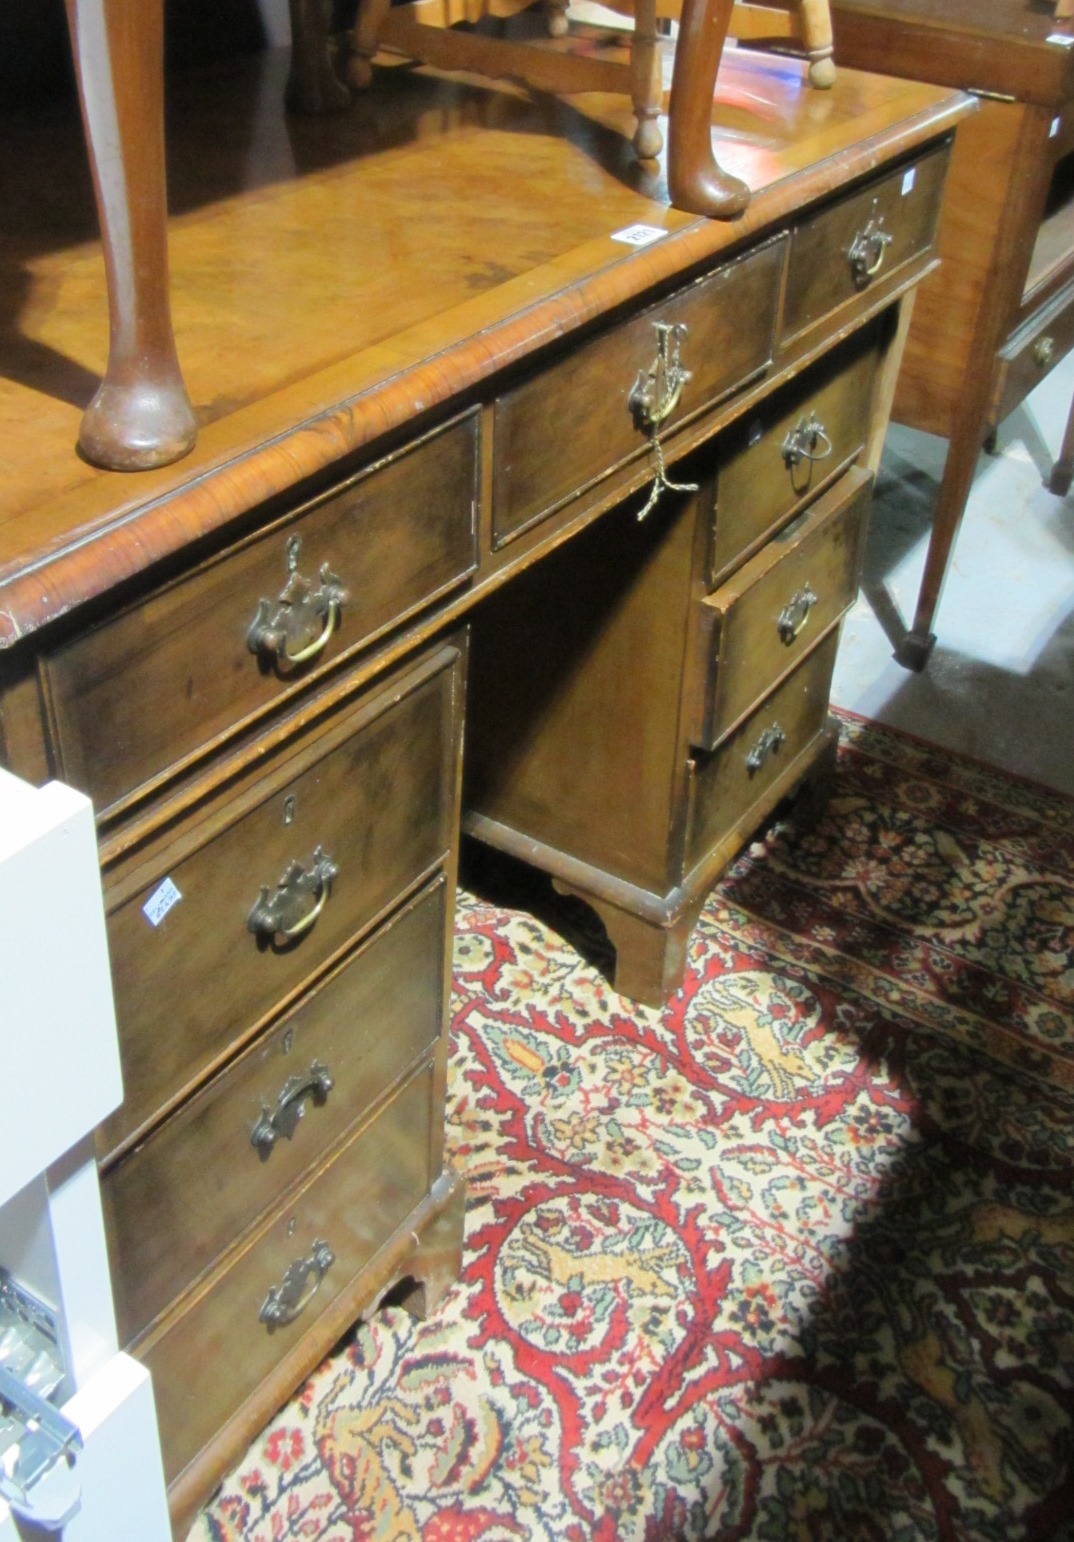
<point x="1044" y="352"/>
<point x="296" y="626"/>
<point x="298" y="1287"/>
<point x="300" y="896"/>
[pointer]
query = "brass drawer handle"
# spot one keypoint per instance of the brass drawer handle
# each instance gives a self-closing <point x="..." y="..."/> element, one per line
<point x="1044" y="351"/>
<point x="653" y="398"/>
<point x="290" y="1107"/>
<point x="772" y="740"/>
<point x="284" y="914"/>
<point x="866" y="251"/>
<point x="795" y="614"/>
<point x="656" y="392"/>
<point x="807" y="440"/>
<point x="280" y="632"/>
<point x="297" y="1289"/>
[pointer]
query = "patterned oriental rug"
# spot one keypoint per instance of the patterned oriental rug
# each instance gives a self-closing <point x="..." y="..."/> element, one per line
<point x="792" y="1258"/>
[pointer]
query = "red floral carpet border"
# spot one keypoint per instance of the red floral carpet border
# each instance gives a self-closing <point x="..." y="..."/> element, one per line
<point x="791" y="1258"/>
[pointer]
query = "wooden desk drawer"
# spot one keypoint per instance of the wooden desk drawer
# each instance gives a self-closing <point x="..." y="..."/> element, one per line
<point x="757" y="626"/>
<point x="564" y="428"/>
<point x="375" y="792"/>
<point x="1031" y="354"/>
<point x="767" y="468"/>
<point x="178" y="1201"/>
<point x="351" y="1207"/>
<point x="842" y="250"/>
<point x="725" y="786"/>
<point x="172" y="674"/>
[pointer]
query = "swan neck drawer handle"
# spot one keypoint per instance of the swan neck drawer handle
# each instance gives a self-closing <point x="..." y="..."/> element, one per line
<point x="297" y="625"/>
<point x="288" y="913"/>
<point x="290" y="1107"/>
<point x="795" y="614"/>
<point x="772" y="740"/>
<point x="867" y="250"/>
<point x="808" y="440"/>
<point x="653" y="398"/>
<point x="298" y="1287"/>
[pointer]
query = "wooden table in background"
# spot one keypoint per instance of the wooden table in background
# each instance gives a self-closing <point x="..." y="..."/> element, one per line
<point x="999" y="315"/>
<point x="432" y="344"/>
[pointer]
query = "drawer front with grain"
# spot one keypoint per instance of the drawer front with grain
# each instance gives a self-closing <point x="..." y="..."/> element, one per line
<point x="1031" y="354"/>
<point x="739" y="776"/>
<point x="269" y="882"/>
<point x="564" y="428"/>
<point x="778" y="456"/>
<point x="256" y="1309"/>
<point x="165" y="679"/>
<point x="757" y="626"/>
<point x="175" y="1203"/>
<point x="841" y="252"/>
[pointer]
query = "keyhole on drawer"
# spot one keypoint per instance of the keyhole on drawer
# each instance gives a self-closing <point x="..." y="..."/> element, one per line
<point x="292" y="1226"/>
<point x="289" y="809"/>
<point x="288" y="1041"/>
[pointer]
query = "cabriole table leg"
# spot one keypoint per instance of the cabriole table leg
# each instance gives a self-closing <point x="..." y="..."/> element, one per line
<point x="141" y="416"/>
<point x="695" y="181"/>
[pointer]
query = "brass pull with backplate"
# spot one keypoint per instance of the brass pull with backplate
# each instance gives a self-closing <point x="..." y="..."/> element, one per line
<point x="794" y="615"/>
<point x="1044" y="352"/>
<point x="866" y="251"/>
<point x="656" y="392"/>
<point x="297" y="625"/>
<point x="288" y="912"/>
<point x="807" y="440"/>
<point x="297" y="1289"/>
<point x="772" y="740"/>
<point x="653" y="398"/>
<point x="290" y="1107"/>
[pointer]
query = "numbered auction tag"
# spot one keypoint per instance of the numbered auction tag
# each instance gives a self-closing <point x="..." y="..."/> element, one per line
<point x="160" y="902"/>
<point x="639" y="235"/>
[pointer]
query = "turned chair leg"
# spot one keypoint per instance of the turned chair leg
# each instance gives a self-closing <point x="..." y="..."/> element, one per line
<point x="140" y="416"/>
<point x="557" y="18"/>
<point x="646" y="82"/>
<point x="695" y="181"/>
<point x="815" y="20"/>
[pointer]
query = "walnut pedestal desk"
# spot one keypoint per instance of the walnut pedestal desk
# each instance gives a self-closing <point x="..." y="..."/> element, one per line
<point x="437" y="386"/>
<point x="1001" y="316"/>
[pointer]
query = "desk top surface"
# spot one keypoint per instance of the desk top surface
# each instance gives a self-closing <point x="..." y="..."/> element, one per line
<point x="333" y="279"/>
